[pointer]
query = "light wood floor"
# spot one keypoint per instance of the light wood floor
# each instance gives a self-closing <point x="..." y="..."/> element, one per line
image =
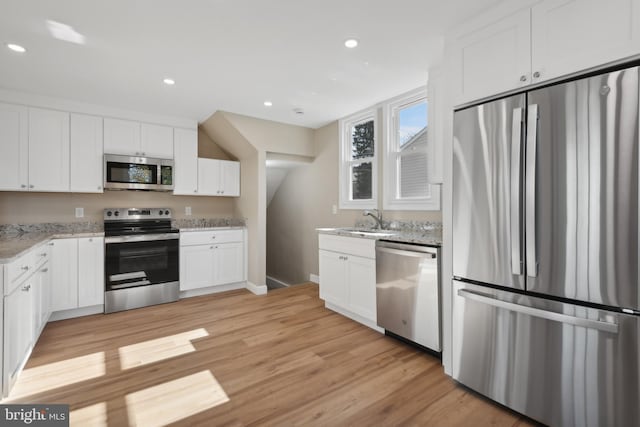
<point x="237" y="359"/>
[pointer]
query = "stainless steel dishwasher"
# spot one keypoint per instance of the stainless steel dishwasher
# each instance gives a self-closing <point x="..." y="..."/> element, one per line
<point x="408" y="292"/>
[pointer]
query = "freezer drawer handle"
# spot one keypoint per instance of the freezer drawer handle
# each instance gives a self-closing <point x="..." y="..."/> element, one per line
<point x="516" y="143"/>
<point x="406" y="253"/>
<point x="543" y="314"/>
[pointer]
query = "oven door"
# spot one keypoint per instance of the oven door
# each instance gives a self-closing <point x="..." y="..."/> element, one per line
<point x="134" y="261"/>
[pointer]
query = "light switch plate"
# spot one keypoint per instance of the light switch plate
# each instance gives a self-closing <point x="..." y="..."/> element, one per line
<point x="79" y="212"/>
<point x="187" y="210"/>
<point x="334" y="209"/>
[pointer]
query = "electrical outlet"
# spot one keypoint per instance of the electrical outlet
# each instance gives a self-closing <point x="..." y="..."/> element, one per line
<point x="187" y="210"/>
<point x="79" y="212"/>
<point x="334" y="209"/>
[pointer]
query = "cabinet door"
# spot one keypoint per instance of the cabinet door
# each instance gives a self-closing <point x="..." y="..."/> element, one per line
<point x="196" y="267"/>
<point x="185" y="149"/>
<point x="86" y="154"/>
<point x="493" y="59"/>
<point x="44" y="295"/>
<point x="156" y="141"/>
<point x="122" y="137"/>
<point x="228" y="263"/>
<point x="14" y="147"/>
<point x="48" y="150"/>
<point x="572" y="35"/>
<point x="90" y="271"/>
<point x="208" y="177"/>
<point x="333" y="276"/>
<point x="361" y="279"/>
<point x="64" y="268"/>
<point x="18" y="330"/>
<point x="229" y="178"/>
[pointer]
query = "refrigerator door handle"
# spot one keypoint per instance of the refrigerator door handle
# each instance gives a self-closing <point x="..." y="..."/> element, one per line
<point x="537" y="312"/>
<point x="516" y="144"/>
<point x="530" y="191"/>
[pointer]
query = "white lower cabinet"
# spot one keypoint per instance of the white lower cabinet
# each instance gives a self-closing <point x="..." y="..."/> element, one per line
<point x="78" y="273"/>
<point x="348" y="276"/>
<point x="211" y="258"/>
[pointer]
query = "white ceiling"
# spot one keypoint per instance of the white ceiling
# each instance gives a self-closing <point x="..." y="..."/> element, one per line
<point x="228" y="55"/>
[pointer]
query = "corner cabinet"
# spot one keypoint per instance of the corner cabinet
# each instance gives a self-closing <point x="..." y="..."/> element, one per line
<point x="185" y="150"/>
<point x="348" y="277"/>
<point x="548" y="40"/>
<point x="212" y="258"/>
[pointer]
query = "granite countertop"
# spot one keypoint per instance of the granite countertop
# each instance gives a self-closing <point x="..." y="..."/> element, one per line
<point x="208" y="224"/>
<point x="18" y="239"/>
<point x="422" y="233"/>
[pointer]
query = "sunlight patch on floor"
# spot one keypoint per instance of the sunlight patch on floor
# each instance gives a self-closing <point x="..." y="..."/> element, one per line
<point x="175" y="400"/>
<point x="146" y="352"/>
<point x="90" y="416"/>
<point x="59" y="374"/>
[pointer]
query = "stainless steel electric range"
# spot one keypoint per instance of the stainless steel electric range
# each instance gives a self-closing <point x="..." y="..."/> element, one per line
<point x="141" y="258"/>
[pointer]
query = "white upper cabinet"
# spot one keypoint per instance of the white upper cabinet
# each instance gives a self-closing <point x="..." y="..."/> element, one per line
<point x="86" y="154"/>
<point x="548" y="40"/>
<point x="130" y="138"/>
<point x="229" y="178"/>
<point x="122" y="137"/>
<point x="572" y="35"/>
<point x="185" y="149"/>
<point x="493" y="58"/>
<point x="218" y="177"/>
<point x="156" y="141"/>
<point x="14" y="147"/>
<point x="48" y="150"/>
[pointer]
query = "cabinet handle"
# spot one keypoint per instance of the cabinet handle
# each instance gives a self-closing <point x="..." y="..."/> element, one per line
<point x="44" y="254"/>
<point x="222" y="192"/>
<point x="210" y="247"/>
<point x="137" y="153"/>
<point x="536" y="74"/>
<point x="23" y="186"/>
<point x="91" y="240"/>
<point x="195" y="191"/>
<point x="144" y="154"/>
<point x="26" y="288"/>
<point x="44" y="270"/>
<point x="25" y="268"/>
<point x="523" y="78"/>
<point x="213" y="237"/>
<point x="99" y="187"/>
<point x="51" y="244"/>
<point x="31" y="186"/>
<point x="216" y="247"/>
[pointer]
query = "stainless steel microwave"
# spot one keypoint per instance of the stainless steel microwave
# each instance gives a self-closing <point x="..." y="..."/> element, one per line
<point x="137" y="173"/>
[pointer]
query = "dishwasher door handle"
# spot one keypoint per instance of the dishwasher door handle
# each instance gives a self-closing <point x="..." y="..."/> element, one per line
<point x="406" y="253"/>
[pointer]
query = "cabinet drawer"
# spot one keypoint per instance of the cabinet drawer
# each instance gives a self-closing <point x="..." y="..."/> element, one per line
<point x="189" y="238"/>
<point x="41" y="255"/>
<point x="348" y="245"/>
<point x="19" y="270"/>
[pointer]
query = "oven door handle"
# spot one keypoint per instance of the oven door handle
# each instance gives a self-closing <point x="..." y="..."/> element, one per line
<point x="141" y="238"/>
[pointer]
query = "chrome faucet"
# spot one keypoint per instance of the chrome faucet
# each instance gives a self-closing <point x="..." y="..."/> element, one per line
<point x="375" y="214"/>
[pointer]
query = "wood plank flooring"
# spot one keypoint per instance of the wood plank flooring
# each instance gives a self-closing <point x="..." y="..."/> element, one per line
<point x="236" y="359"/>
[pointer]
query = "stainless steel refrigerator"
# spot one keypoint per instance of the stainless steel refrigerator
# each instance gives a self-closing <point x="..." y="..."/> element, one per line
<point x="545" y="251"/>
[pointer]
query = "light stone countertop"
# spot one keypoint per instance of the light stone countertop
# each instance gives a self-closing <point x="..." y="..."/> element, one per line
<point x="213" y="228"/>
<point x="431" y="237"/>
<point x="13" y="246"/>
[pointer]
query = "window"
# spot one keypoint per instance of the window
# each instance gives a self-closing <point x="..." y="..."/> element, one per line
<point x="406" y="174"/>
<point x="358" y="165"/>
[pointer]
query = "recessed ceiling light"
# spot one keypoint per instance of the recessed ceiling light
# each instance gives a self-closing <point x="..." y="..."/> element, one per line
<point x="351" y="43"/>
<point x="169" y="82"/>
<point x="16" y="48"/>
<point x="268" y="103"/>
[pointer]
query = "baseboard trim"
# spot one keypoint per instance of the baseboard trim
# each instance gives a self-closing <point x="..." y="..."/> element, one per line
<point x="314" y="278"/>
<point x="76" y="312"/>
<point x="256" y="289"/>
<point x="272" y="282"/>
<point x="211" y="290"/>
<point x="353" y="316"/>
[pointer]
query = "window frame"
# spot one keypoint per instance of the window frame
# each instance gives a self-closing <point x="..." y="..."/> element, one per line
<point x="391" y="156"/>
<point x="346" y="163"/>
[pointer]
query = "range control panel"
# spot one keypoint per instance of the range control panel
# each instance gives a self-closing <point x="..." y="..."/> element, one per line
<point x="112" y="214"/>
